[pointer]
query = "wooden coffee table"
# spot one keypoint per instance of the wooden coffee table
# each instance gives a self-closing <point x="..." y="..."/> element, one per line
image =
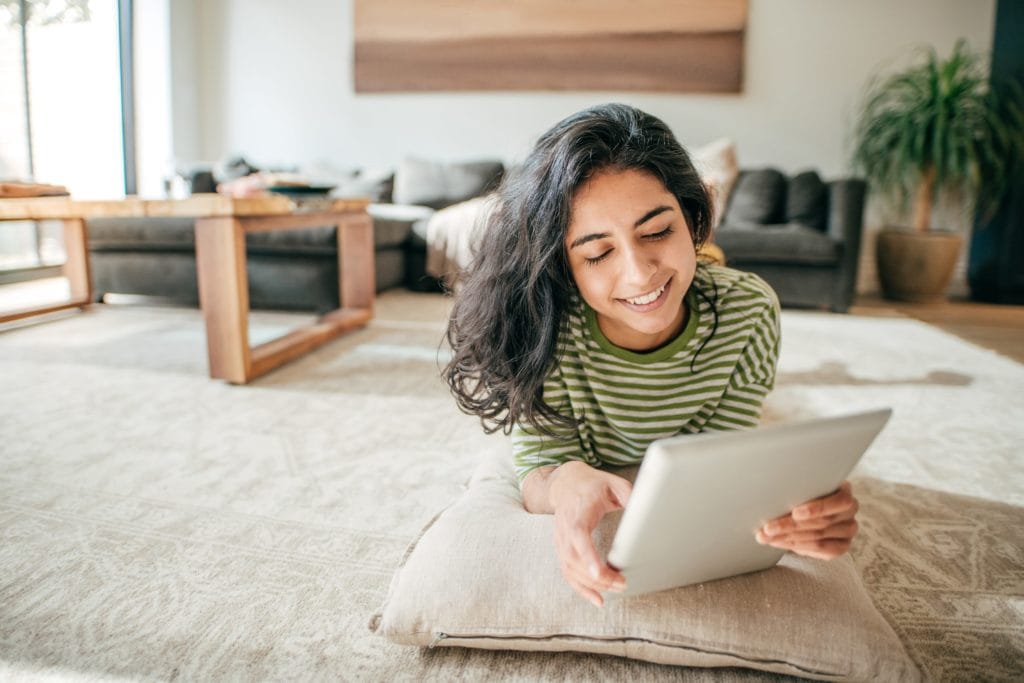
<point x="221" y="226"/>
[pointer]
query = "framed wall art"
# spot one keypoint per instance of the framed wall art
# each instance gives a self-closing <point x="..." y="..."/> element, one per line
<point x="480" y="45"/>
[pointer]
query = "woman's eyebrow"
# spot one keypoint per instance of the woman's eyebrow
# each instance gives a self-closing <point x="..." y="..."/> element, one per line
<point x="579" y="241"/>
<point x="651" y="214"/>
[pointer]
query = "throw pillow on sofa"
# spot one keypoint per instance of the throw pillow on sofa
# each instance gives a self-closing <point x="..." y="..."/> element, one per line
<point x="759" y="198"/>
<point x="376" y="184"/>
<point x="716" y="163"/>
<point x="807" y="200"/>
<point x="437" y="185"/>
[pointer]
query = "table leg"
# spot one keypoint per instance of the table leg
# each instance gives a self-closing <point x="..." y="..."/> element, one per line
<point x="356" y="266"/>
<point x="224" y="296"/>
<point x="76" y="267"/>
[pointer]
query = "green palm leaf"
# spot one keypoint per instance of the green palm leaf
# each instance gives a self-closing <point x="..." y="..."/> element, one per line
<point x="939" y="122"/>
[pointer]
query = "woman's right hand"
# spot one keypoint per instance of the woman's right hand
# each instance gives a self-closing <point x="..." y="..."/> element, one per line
<point x="580" y="495"/>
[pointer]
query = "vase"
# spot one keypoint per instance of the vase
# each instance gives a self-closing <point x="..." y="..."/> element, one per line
<point x="914" y="266"/>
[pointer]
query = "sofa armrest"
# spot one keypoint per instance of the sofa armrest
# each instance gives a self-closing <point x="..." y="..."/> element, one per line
<point x="846" y="224"/>
<point x="846" y="209"/>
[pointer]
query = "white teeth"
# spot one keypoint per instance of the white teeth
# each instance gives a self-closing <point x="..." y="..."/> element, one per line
<point x="647" y="298"/>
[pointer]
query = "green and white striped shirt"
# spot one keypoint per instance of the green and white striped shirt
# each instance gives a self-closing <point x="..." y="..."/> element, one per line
<point x="623" y="400"/>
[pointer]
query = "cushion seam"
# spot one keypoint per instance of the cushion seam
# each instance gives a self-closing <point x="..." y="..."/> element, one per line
<point x="722" y="650"/>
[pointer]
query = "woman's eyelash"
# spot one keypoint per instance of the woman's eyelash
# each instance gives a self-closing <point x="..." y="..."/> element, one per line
<point x="653" y="236"/>
<point x="659" y="235"/>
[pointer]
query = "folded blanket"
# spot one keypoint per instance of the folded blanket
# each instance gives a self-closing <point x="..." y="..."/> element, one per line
<point x="453" y="234"/>
<point x="9" y="189"/>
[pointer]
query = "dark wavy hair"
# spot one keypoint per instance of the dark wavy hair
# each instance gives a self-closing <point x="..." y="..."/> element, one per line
<point x="504" y="325"/>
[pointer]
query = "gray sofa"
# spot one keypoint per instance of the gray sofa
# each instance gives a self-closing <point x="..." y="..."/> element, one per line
<point x="288" y="269"/>
<point x="801" y="234"/>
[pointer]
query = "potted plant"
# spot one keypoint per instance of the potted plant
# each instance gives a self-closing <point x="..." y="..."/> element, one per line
<point x="936" y="128"/>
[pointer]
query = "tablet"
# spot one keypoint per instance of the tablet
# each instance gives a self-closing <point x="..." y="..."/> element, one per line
<point x="698" y="499"/>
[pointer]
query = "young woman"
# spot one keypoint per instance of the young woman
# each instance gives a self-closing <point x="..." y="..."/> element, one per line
<point x="587" y="328"/>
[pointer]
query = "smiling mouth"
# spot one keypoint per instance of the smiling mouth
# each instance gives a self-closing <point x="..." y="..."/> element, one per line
<point x="648" y="298"/>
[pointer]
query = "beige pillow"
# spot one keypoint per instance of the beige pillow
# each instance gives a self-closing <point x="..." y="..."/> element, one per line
<point x="484" y="575"/>
<point x="716" y="163"/>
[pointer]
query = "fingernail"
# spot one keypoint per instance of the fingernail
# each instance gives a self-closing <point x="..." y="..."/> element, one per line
<point x="595" y="571"/>
<point x="759" y="537"/>
<point x="596" y="602"/>
<point x="618" y="586"/>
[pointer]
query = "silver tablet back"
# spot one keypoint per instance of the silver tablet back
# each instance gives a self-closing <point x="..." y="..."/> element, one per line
<point x="698" y="499"/>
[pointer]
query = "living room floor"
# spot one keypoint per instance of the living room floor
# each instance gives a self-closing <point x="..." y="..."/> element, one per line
<point x="997" y="327"/>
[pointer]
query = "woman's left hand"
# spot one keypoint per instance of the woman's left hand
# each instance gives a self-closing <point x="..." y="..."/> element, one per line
<point x="821" y="528"/>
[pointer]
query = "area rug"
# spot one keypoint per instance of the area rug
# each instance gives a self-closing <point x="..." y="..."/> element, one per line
<point x="159" y="525"/>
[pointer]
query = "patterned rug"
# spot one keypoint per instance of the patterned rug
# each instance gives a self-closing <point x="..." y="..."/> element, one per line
<point x="158" y="525"/>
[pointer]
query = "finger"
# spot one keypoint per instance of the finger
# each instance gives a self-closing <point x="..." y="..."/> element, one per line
<point x="589" y="594"/>
<point x="621" y="489"/>
<point x="580" y="575"/>
<point x="823" y="549"/>
<point x="835" y="503"/>
<point x="844" y="528"/>
<point x="824" y="521"/>
<point x="839" y="530"/>
<point x="779" y="525"/>
<point x="601" y="578"/>
<point x="787" y="525"/>
<point x="595" y="566"/>
<point x="580" y="560"/>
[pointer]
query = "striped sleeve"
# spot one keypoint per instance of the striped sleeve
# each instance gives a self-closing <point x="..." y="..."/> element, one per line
<point x="754" y="374"/>
<point x="532" y="449"/>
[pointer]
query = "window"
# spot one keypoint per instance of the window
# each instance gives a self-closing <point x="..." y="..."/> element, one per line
<point x="60" y="111"/>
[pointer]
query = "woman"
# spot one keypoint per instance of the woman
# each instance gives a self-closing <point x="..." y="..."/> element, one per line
<point x="587" y="328"/>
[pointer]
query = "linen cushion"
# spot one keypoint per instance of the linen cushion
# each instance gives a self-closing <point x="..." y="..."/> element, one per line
<point x="483" y="574"/>
<point x="716" y="163"/>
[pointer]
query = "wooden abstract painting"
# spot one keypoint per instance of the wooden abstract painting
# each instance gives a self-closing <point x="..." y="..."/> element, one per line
<point x="473" y="45"/>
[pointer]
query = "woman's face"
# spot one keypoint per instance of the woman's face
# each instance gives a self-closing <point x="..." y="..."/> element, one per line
<point x="632" y="257"/>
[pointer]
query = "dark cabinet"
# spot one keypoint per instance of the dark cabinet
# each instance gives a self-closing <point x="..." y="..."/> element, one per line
<point x="996" y="263"/>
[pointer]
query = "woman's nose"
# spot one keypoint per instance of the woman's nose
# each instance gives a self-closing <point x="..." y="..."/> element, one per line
<point x="639" y="266"/>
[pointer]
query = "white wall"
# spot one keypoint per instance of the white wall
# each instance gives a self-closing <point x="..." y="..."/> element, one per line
<point x="273" y="81"/>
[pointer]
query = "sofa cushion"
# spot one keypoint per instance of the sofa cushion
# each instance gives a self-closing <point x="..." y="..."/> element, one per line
<point x="484" y="575"/>
<point x="142" y="234"/>
<point x="410" y="217"/>
<point x="438" y="185"/>
<point x="178" y="234"/>
<point x="377" y="184"/>
<point x="807" y="200"/>
<point x="790" y="243"/>
<point x="759" y="197"/>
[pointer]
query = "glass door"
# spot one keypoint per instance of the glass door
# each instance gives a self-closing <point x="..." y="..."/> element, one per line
<point x="60" y="114"/>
